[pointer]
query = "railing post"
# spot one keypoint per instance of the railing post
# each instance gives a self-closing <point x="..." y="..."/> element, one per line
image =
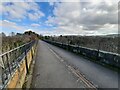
<point x="8" y="64"/>
<point x="26" y="63"/>
<point x="1" y="81"/>
<point x="32" y="53"/>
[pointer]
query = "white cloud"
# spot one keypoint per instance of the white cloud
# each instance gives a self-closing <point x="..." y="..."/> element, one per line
<point x="35" y="25"/>
<point x="94" y="17"/>
<point x="20" y="10"/>
<point x="51" y="3"/>
<point x="70" y="16"/>
<point x="35" y="16"/>
<point x="18" y="28"/>
<point x="8" y="24"/>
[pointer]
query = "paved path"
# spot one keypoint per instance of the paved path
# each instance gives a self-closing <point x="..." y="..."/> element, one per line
<point x="50" y="72"/>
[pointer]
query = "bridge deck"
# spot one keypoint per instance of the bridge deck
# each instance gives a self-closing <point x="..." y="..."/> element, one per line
<point x="50" y="72"/>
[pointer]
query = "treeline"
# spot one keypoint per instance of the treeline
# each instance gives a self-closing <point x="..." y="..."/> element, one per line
<point x="15" y="40"/>
<point x="105" y="43"/>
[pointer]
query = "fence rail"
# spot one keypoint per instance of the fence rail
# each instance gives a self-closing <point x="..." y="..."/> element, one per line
<point x="10" y="60"/>
<point x="102" y="57"/>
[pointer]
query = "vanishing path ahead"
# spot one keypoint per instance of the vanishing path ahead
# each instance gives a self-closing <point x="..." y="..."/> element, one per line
<point x="49" y="72"/>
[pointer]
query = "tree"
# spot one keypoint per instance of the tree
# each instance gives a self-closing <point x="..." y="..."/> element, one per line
<point x="2" y="34"/>
<point x="19" y="34"/>
<point x="12" y="34"/>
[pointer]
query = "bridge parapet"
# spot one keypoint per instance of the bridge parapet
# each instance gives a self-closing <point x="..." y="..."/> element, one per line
<point x="108" y="59"/>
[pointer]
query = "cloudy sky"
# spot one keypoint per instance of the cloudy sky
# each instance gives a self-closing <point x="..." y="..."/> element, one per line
<point x="66" y="17"/>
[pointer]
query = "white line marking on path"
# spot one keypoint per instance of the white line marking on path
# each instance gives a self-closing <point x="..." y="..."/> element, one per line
<point x="81" y="78"/>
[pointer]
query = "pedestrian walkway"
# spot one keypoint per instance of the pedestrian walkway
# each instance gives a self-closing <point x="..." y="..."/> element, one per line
<point x="49" y="72"/>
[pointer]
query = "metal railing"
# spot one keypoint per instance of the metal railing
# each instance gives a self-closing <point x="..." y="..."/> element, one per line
<point x="10" y="60"/>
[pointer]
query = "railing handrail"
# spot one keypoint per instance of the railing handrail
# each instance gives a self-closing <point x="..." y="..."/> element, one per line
<point x="10" y="61"/>
<point x="15" y="49"/>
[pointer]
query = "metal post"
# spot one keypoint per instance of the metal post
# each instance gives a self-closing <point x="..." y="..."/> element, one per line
<point x="99" y="45"/>
<point x="8" y="64"/>
<point x="26" y="64"/>
<point x="98" y="51"/>
<point x="32" y="52"/>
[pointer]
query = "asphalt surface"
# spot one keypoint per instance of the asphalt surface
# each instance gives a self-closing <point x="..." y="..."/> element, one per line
<point x="49" y="72"/>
